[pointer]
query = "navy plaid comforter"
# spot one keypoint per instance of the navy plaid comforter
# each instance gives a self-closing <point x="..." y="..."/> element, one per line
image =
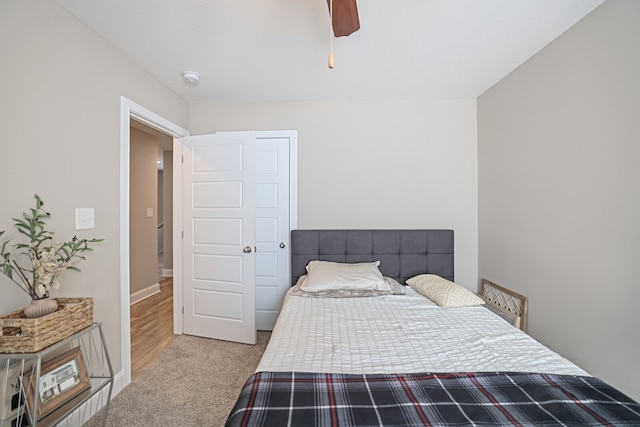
<point x="484" y="399"/>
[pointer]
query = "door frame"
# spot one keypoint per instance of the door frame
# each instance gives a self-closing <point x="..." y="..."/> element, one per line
<point x="130" y="110"/>
<point x="178" y="288"/>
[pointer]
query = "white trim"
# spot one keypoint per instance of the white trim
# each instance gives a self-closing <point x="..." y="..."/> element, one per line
<point x="130" y="110"/>
<point x="167" y="272"/>
<point x="177" y="237"/>
<point x="144" y="293"/>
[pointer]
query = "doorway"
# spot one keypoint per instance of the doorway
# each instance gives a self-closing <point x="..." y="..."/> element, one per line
<point x="151" y="260"/>
<point x="129" y="111"/>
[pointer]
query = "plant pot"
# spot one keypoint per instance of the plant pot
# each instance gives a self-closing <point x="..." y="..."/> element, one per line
<point x="40" y="308"/>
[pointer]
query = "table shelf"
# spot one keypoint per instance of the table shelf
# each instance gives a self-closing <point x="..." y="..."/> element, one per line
<point x="75" y="377"/>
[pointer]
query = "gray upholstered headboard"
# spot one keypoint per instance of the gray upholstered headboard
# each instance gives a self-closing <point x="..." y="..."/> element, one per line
<point x="402" y="253"/>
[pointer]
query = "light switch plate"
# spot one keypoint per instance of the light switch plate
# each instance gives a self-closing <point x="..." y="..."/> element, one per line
<point x="149" y="212"/>
<point x="85" y="219"/>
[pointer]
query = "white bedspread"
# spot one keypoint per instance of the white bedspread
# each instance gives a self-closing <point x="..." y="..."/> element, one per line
<point x="400" y="334"/>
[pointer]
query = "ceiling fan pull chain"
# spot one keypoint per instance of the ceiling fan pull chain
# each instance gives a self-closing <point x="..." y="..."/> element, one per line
<point x="331" y="33"/>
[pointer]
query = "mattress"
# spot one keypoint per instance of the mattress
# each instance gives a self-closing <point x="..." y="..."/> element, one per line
<point x="400" y="334"/>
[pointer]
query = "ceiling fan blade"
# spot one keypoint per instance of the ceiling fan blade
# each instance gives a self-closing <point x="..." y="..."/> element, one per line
<point x="345" y="17"/>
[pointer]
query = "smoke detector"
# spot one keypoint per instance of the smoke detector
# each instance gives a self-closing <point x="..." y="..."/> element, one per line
<point x="190" y="77"/>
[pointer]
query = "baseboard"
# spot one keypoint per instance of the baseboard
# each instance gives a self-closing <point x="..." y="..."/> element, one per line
<point x="167" y="272"/>
<point x="144" y="293"/>
<point x="119" y="383"/>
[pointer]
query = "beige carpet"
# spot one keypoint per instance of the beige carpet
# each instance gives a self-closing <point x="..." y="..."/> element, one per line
<point x="194" y="382"/>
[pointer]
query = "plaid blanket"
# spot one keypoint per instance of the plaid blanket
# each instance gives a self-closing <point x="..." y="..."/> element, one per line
<point x="460" y="399"/>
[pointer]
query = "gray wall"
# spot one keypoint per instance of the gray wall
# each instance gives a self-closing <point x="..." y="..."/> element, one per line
<point x="559" y="191"/>
<point x="167" y="207"/>
<point x="375" y="164"/>
<point x="60" y="118"/>
<point x="143" y="194"/>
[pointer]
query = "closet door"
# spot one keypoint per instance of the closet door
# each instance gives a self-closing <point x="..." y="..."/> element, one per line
<point x="272" y="228"/>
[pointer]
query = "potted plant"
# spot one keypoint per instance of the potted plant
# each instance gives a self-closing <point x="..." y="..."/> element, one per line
<point x="36" y="265"/>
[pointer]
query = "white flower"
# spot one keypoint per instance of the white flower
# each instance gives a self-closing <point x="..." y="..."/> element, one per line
<point x="46" y="269"/>
<point x="41" y="290"/>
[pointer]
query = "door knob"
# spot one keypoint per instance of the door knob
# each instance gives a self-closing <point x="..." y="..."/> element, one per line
<point x="247" y="249"/>
<point x="283" y="245"/>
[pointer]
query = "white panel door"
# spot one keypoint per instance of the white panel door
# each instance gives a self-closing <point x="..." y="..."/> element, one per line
<point x="219" y="236"/>
<point x="272" y="228"/>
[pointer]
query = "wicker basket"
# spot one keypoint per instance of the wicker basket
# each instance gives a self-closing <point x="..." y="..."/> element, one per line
<point x="21" y="335"/>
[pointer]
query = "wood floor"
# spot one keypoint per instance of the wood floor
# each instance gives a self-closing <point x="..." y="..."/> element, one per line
<point x="151" y="326"/>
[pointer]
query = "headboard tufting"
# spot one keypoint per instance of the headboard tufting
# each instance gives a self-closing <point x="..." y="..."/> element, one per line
<point x="402" y="253"/>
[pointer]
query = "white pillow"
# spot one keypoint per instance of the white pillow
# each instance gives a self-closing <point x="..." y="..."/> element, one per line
<point x="395" y="289"/>
<point x="443" y="292"/>
<point x="326" y="275"/>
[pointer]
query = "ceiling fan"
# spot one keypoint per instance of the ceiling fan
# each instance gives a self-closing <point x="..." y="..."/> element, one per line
<point x="344" y="17"/>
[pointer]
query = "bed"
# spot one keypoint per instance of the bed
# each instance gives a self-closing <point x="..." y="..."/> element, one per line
<point x="344" y="353"/>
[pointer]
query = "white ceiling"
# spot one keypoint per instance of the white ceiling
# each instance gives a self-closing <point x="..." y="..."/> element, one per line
<point x="272" y="50"/>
